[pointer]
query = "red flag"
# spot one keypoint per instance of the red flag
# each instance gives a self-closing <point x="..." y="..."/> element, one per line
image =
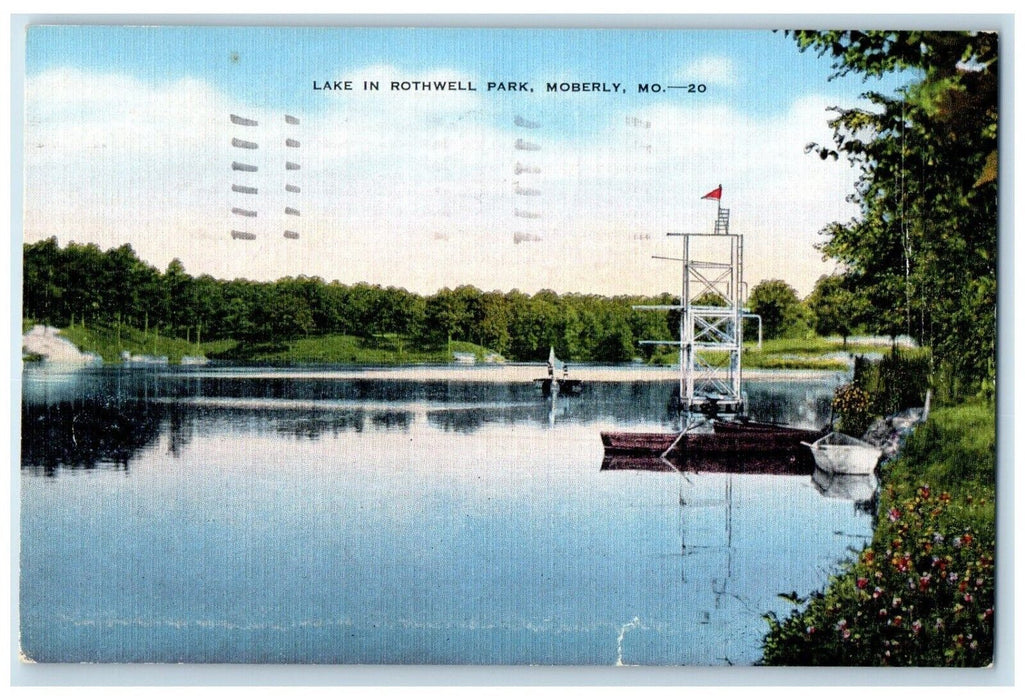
<point x="714" y="194"/>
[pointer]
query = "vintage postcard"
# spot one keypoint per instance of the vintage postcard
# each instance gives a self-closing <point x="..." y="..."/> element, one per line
<point x="509" y="346"/>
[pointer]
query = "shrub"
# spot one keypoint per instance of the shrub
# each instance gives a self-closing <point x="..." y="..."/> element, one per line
<point x="851" y="406"/>
<point x="899" y="380"/>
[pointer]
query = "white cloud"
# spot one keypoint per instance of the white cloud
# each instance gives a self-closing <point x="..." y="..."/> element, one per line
<point x="419" y="190"/>
<point x="711" y="70"/>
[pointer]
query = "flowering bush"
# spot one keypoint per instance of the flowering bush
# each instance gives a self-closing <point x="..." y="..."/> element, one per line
<point x="922" y="594"/>
<point x="851" y="405"/>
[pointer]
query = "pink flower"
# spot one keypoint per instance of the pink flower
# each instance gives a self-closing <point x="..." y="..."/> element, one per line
<point x="916" y="626"/>
<point x="894" y="515"/>
<point x="923" y="582"/>
<point x="861" y="582"/>
<point x="877" y="592"/>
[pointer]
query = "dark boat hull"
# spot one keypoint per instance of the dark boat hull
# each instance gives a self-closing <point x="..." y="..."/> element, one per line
<point x="703" y="443"/>
<point x="738" y="452"/>
<point x="786" y="432"/>
<point x="637" y="443"/>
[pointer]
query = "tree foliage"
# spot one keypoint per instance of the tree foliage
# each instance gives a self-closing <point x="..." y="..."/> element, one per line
<point x="923" y="248"/>
<point x="836" y="307"/>
<point x="79" y="284"/>
<point x="778" y="305"/>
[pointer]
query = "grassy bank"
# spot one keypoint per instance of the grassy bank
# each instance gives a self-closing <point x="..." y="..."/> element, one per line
<point x="922" y="593"/>
<point x="384" y="350"/>
<point x="393" y="349"/>
<point x="827" y="354"/>
<point x="109" y="342"/>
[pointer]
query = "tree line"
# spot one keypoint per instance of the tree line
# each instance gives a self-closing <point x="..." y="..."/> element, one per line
<point x="80" y="283"/>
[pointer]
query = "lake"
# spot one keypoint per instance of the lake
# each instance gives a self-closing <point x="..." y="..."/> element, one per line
<point x="411" y="516"/>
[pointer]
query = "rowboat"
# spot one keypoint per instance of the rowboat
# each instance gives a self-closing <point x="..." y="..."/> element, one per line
<point x="837" y="453"/>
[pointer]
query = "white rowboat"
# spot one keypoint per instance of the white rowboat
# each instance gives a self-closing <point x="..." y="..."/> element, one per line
<point x="837" y="453"/>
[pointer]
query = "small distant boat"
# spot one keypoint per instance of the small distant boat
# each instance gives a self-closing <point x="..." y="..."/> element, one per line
<point x="837" y="453"/>
<point x="553" y="384"/>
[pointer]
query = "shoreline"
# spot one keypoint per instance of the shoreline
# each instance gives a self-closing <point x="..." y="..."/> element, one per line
<point x="511" y="373"/>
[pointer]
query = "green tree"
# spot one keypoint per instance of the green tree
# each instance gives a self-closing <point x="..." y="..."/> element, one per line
<point x="836" y="308"/>
<point x="778" y="305"/>
<point x="923" y="248"/>
<point x="43" y="284"/>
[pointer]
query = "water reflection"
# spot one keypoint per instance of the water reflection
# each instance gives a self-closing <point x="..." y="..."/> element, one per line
<point x="860" y="488"/>
<point x="357" y="520"/>
<point x="86" y="434"/>
<point x="793" y="463"/>
<point x="103" y="416"/>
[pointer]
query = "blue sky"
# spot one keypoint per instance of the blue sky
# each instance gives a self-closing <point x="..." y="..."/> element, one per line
<point x="424" y="190"/>
<point x="262" y="65"/>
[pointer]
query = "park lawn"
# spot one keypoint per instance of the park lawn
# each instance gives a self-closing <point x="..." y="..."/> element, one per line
<point x="388" y="349"/>
<point x="110" y="341"/>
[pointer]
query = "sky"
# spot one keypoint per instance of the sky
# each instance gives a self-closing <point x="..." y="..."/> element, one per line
<point x="128" y="139"/>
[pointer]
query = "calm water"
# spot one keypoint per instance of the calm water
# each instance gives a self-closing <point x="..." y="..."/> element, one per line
<point x="344" y="517"/>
